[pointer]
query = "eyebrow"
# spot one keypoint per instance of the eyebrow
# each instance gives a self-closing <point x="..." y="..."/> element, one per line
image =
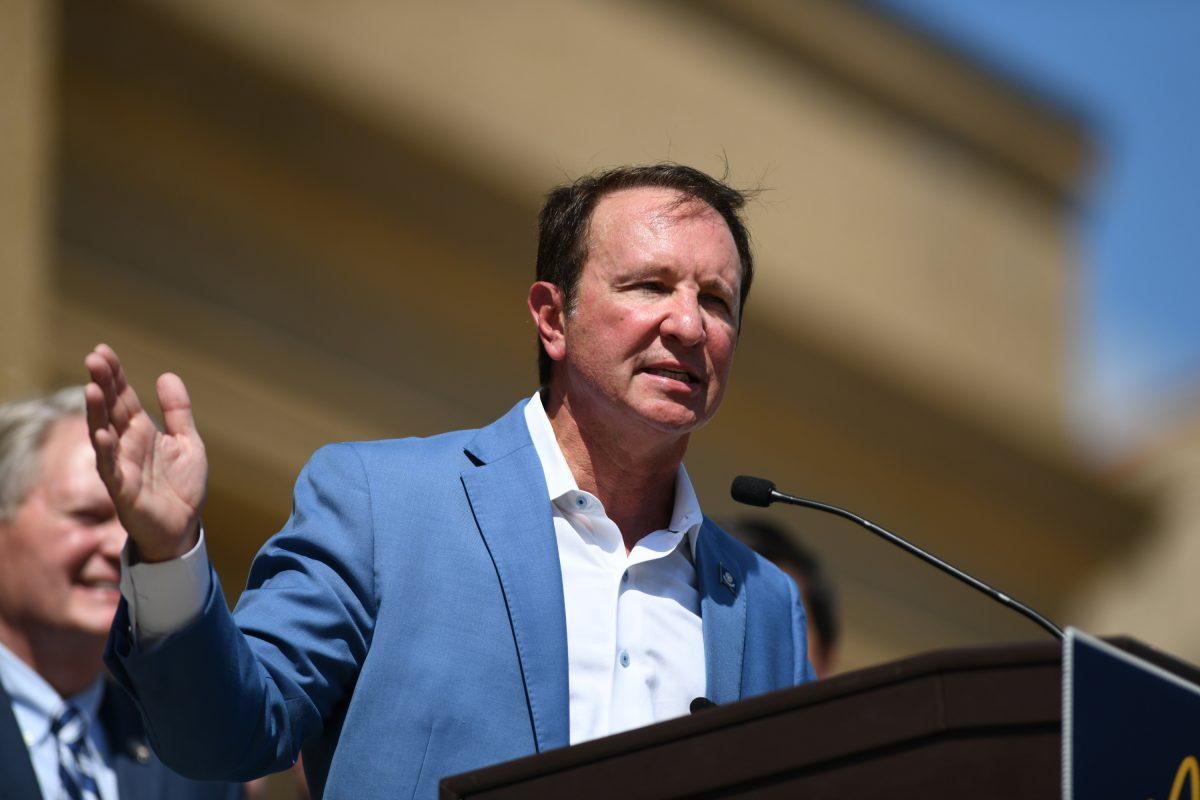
<point x="718" y="284"/>
<point x="643" y="271"/>
<point x="92" y="506"/>
<point x="655" y="270"/>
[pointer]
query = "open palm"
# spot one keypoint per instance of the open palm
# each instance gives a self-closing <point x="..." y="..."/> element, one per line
<point x="156" y="478"/>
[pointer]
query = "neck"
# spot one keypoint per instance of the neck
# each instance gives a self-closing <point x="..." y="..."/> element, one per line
<point x="68" y="662"/>
<point x="633" y="475"/>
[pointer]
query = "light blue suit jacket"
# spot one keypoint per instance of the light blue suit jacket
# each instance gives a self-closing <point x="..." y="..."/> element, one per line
<point x="407" y="624"/>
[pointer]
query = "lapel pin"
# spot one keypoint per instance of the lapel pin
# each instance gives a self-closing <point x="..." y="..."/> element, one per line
<point x="727" y="579"/>
<point x="141" y="751"/>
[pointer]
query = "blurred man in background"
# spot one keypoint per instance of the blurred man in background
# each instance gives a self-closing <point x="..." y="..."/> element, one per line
<point x="65" y="731"/>
<point x="820" y="600"/>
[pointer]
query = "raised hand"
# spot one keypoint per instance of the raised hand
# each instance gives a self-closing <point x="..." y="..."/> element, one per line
<point x="156" y="479"/>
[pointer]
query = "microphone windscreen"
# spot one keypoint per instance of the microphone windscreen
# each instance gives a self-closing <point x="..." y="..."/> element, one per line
<point x="752" y="491"/>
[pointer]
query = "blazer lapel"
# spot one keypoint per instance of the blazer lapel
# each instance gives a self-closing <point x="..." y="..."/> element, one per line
<point x="508" y="497"/>
<point x="723" y="615"/>
<point x="17" y="778"/>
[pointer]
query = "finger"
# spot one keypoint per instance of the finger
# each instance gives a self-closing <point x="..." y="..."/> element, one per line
<point x="101" y="371"/>
<point x="126" y="404"/>
<point x="97" y="409"/>
<point x="98" y="371"/>
<point x="123" y="403"/>
<point x="104" y="442"/>
<point x="176" y="406"/>
<point x="104" y="439"/>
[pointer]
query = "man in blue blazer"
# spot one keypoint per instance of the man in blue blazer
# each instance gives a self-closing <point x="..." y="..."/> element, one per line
<point x="436" y="605"/>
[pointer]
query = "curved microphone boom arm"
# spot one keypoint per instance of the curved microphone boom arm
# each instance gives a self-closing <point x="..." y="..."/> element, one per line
<point x="762" y="492"/>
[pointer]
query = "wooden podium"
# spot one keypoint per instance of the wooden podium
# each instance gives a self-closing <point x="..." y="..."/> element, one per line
<point x="980" y="723"/>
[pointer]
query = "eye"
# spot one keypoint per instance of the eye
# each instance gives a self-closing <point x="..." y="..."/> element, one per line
<point x="91" y="516"/>
<point x="716" y="300"/>
<point x="656" y="287"/>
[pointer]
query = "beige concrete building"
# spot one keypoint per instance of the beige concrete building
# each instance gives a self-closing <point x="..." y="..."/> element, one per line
<point x="322" y="217"/>
<point x="1149" y="588"/>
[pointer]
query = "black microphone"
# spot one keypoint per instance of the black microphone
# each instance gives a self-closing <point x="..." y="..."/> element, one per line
<point x="752" y="491"/>
<point x="762" y="492"/>
<point x="701" y="704"/>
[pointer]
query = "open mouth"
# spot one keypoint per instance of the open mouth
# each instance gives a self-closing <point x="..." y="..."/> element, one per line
<point x="99" y="585"/>
<point x="673" y="374"/>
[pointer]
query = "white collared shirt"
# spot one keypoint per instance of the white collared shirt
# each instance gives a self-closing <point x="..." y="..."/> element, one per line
<point x="635" y="644"/>
<point x="34" y="704"/>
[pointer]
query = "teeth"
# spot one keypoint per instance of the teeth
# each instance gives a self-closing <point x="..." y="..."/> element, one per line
<point x="671" y="373"/>
<point x="101" y="585"/>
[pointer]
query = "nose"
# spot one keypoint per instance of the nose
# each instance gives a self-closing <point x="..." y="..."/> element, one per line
<point x="112" y="539"/>
<point x="684" y="321"/>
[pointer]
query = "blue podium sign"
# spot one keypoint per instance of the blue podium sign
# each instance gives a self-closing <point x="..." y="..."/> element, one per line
<point x="1131" y="731"/>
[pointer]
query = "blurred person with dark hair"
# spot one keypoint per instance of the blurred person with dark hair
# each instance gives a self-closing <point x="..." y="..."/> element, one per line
<point x="773" y="543"/>
<point x="436" y="605"/>
<point x="65" y="731"/>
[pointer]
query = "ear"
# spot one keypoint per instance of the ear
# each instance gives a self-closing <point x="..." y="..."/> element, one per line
<point x="549" y="316"/>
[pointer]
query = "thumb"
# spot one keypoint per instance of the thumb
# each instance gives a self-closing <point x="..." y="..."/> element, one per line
<point x="176" y="406"/>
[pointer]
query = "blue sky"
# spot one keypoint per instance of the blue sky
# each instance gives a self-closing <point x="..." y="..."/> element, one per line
<point x="1131" y="70"/>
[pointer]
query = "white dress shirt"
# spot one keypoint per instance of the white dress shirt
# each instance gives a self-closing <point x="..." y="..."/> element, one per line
<point x="635" y="643"/>
<point x="34" y="704"/>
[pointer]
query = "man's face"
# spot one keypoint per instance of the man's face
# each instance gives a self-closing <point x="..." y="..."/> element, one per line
<point x="650" y="341"/>
<point x="59" y="554"/>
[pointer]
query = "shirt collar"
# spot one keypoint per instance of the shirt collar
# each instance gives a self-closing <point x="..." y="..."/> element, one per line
<point x="685" y="517"/>
<point x="35" y="702"/>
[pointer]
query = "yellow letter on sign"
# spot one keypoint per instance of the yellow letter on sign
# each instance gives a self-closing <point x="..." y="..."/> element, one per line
<point x="1188" y="768"/>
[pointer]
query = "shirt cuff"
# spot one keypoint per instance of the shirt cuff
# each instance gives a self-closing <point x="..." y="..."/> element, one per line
<point x="165" y="597"/>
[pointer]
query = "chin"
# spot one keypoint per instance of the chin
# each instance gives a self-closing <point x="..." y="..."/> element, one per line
<point x="94" y="629"/>
<point x="669" y="417"/>
<point x="96" y="618"/>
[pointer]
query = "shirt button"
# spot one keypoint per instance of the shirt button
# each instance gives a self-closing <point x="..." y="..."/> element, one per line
<point x="623" y="658"/>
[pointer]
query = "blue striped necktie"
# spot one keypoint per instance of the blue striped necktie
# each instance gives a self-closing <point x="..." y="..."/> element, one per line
<point x="75" y="760"/>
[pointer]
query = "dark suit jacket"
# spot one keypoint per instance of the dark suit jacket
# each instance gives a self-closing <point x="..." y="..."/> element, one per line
<point x="140" y="775"/>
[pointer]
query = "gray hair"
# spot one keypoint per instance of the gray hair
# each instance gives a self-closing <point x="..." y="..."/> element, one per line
<point x="24" y="426"/>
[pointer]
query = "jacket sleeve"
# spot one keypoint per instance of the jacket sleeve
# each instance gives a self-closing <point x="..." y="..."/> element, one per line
<point x="803" y="669"/>
<point x="232" y="697"/>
